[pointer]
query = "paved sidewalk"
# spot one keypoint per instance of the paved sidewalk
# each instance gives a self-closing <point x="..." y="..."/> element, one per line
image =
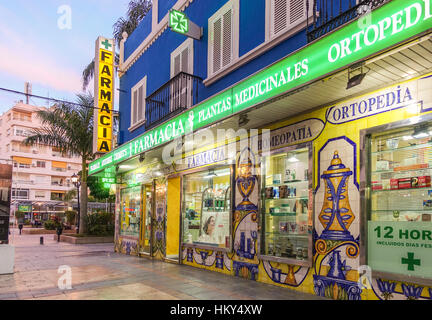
<point x="100" y="274"/>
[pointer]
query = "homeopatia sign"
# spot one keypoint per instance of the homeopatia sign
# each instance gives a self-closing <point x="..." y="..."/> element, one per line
<point x="390" y="24"/>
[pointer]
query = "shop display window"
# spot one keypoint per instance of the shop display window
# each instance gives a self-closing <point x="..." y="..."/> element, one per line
<point x="207" y="207"/>
<point x="285" y="205"/>
<point x="130" y="212"/>
<point x="399" y="201"/>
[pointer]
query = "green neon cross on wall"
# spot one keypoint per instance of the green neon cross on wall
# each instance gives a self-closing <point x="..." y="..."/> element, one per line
<point x="411" y="262"/>
<point x="178" y="21"/>
<point x="106" y="44"/>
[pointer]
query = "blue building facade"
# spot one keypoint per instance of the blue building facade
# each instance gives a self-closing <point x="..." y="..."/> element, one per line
<point x="254" y="45"/>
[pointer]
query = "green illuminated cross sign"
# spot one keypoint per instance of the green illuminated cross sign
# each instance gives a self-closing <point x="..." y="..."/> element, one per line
<point x="106" y="44"/>
<point x="410" y="261"/>
<point x="178" y="21"/>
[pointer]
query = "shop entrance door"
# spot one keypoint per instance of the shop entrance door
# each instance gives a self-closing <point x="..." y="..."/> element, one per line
<point x="173" y="220"/>
<point x="146" y="225"/>
<point x="158" y="240"/>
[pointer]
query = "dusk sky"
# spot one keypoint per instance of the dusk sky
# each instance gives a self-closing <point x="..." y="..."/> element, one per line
<point x="34" y="48"/>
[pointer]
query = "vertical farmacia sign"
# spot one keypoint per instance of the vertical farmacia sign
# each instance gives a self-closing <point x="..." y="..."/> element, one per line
<point x="104" y="95"/>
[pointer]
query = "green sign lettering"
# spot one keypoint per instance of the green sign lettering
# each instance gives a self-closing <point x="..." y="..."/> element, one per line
<point x="390" y="24"/>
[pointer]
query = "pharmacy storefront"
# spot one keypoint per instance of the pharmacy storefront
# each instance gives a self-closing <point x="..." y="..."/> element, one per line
<point x="336" y="200"/>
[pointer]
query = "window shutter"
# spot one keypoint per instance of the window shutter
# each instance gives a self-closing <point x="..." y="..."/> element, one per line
<point x="135" y="107"/>
<point x="217" y="44"/>
<point x="279" y="14"/>
<point x="286" y="14"/>
<point x="185" y="61"/>
<point x="297" y="12"/>
<point x="181" y="87"/>
<point x="138" y="103"/>
<point x="177" y="66"/>
<point x="222" y="41"/>
<point x="141" y="103"/>
<point x="227" y="38"/>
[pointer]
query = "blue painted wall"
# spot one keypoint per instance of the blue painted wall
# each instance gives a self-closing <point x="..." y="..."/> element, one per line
<point x="139" y="35"/>
<point x="252" y="16"/>
<point x="155" y="62"/>
<point x="164" y="6"/>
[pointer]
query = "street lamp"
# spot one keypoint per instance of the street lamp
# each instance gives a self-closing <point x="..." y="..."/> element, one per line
<point x="77" y="184"/>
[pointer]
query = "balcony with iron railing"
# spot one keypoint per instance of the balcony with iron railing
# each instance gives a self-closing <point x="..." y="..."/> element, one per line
<point x="175" y="96"/>
<point x="329" y="15"/>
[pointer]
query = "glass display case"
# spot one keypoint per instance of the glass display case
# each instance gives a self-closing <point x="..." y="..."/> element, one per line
<point x="206" y="208"/>
<point x="285" y="205"/>
<point x="400" y="176"/>
<point x="130" y="211"/>
<point x="398" y="201"/>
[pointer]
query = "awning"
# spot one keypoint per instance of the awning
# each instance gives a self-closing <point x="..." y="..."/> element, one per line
<point x="22" y="160"/>
<point x="60" y="165"/>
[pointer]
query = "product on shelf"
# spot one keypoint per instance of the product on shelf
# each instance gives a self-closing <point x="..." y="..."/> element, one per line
<point x="394" y="183"/>
<point x="269" y="193"/>
<point x="283" y="192"/>
<point x="382" y="165"/>
<point x="411" y="167"/>
<point x="407" y="183"/>
<point x="377" y="185"/>
<point x="424" y="181"/>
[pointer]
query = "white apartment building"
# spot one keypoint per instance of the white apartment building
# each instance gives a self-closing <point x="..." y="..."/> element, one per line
<point x="41" y="174"/>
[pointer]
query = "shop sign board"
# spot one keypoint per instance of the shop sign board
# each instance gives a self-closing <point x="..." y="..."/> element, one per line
<point x="388" y="25"/>
<point x="392" y="98"/>
<point x="300" y="132"/>
<point x="206" y="157"/>
<point x="24" y="208"/>
<point x="400" y="247"/>
<point x="104" y="95"/>
<point x="180" y="23"/>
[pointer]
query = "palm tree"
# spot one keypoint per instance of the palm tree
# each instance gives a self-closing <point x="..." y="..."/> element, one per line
<point x="137" y="10"/>
<point x="69" y="127"/>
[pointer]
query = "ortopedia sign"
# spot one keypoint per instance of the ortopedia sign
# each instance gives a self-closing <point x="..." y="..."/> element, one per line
<point x="104" y="95"/>
<point x="394" y="22"/>
<point x="413" y="94"/>
<point x="400" y="247"/>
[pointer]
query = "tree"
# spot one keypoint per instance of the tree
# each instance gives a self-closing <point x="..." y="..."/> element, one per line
<point x="96" y="189"/>
<point x="19" y="216"/>
<point x="69" y="127"/>
<point x="99" y="192"/>
<point x="137" y="10"/>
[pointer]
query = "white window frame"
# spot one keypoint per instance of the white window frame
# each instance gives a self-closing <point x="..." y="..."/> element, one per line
<point x="38" y="194"/>
<point x="136" y="123"/>
<point x="18" y="190"/>
<point x="289" y="29"/>
<point x="234" y="5"/>
<point x="189" y="44"/>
